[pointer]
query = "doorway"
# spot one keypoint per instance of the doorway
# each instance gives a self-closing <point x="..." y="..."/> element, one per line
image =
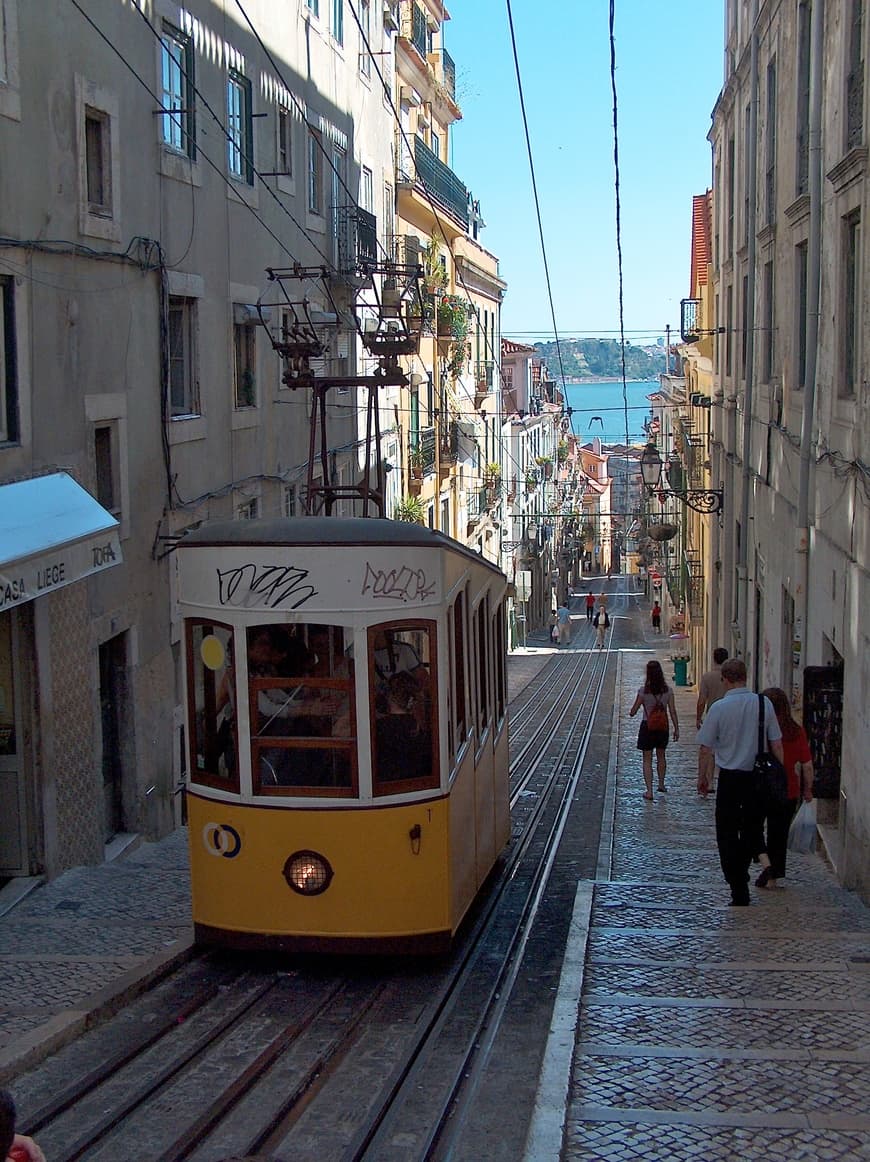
<point x="113" y="711"/>
<point x="13" y="809"/>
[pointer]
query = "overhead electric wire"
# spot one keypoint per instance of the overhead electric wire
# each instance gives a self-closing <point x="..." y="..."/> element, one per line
<point x="618" y="209"/>
<point x="201" y="153"/>
<point x="535" y="188"/>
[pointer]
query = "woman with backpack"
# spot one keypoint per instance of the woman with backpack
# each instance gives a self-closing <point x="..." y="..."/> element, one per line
<point x="657" y="699"/>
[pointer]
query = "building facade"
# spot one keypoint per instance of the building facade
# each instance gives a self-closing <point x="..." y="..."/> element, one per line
<point x="791" y="404"/>
<point x="157" y="160"/>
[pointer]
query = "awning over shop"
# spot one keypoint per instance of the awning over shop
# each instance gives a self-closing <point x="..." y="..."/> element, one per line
<point x="52" y="533"/>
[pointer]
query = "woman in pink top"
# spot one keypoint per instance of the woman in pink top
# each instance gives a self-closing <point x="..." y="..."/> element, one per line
<point x="798" y="763"/>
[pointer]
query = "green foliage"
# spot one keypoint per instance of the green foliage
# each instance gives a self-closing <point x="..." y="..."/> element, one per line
<point x="601" y="359"/>
<point x="410" y="509"/>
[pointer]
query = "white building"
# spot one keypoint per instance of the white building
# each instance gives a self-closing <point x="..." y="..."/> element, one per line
<point x="791" y="407"/>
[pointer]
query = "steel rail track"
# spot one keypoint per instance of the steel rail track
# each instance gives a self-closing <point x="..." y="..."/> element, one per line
<point x="549" y="775"/>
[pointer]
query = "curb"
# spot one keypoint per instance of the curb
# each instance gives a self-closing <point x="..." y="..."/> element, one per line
<point x="62" y="1028"/>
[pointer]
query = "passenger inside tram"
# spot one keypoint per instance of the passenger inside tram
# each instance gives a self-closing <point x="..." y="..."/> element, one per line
<point x="300" y="684"/>
<point x="403" y="731"/>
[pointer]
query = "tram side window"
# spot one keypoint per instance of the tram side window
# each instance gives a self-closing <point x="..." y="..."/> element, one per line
<point x="211" y="702"/>
<point x="458" y="726"/>
<point x="499" y="645"/>
<point x="300" y="692"/>
<point x="402" y="701"/>
<point x="482" y="646"/>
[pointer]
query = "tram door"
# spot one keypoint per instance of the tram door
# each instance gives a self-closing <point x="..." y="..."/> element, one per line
<point x="113" y="703"/>
<point x="13" y="817"/>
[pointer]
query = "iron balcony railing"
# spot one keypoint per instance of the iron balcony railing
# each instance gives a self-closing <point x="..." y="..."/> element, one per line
<point x="427" y="449"/>
<point x="448" y="73"/>
<point x="415" y="27"/>
<point x="689" y="312"/>
<point x="356" y="238"/>
<point x="440" y="182"/>
<point x="449" y="447"/>
<point x="484" y="374"/>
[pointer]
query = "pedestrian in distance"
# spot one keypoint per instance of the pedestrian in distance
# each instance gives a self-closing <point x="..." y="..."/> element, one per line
<point x="590" y="607"/>
<point x="601" y="621"/>
<point x="710" y="690"/>
<point x="729" y="737"/>
<point x="656" y="617"/>
<point x="554" y="626"/>
<point x="798" y="763"/>
<point x="656" y="699"/>
<point x="15" y="1147"/>
<point x="563" y="615"/>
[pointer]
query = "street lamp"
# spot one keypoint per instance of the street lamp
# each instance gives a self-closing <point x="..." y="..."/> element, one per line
<point x="700" y="499"/>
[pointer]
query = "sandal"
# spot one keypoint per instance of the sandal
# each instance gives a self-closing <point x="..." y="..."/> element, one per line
<point x="662" y="788"/>
<point x="647" y="795"/>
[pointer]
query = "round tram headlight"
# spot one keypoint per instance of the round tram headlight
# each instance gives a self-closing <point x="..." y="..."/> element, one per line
<point x="308" y="873"/>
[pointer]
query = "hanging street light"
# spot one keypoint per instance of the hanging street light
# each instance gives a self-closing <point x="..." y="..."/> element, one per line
<point x="699" y="499"/>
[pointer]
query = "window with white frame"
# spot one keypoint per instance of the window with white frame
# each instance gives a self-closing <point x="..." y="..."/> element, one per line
<point x="284" y="151"/>
<point x="249" y="510"/>
<point x="851" y="299"/>
<point x="183" y="380"/>
<point x="245" y="364"/>
<point x="389" y="218"/>
<point x="366" y="190"/>
<point x="8" y="363"/>
<point x="313" y="7"/>
<point x="177" y="90"/>
<point x="338" y="21"/>
<point x="288" y="500"/>
<point x="10" y="94"/>
<point x="240" y="134"/>
<point x="365" y="20"/>
<point x="98" y="162"/>
<point x="315" y="172"/>
<point x="108" y="487"/>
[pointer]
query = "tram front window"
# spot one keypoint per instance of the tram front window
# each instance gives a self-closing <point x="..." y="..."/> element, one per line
<point x="402" y="701"/>
<point x="211" y="693"/>
<point x="300" y="686"/>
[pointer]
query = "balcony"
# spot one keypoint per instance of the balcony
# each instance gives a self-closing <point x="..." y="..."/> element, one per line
<point x="689" y="311"/>
<point x="426" y="444"/>
<point x="356" y="237"/>
<point x="694" y="579"/>
<point x="440" y="182"/>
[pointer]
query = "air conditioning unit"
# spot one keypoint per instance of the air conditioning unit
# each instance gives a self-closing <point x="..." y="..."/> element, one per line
<point x="409" y="96"/>
<point x="246" y="314"/>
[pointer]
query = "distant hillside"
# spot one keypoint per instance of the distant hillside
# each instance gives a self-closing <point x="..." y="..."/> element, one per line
<point x="600" y="359"/>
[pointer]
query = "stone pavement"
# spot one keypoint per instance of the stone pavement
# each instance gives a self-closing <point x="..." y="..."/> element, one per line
<point x="686" y="1029"/>
<point x="682" y="1029"/>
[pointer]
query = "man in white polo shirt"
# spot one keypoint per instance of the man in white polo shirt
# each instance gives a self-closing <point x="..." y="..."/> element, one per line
<point x="729" y="737"/>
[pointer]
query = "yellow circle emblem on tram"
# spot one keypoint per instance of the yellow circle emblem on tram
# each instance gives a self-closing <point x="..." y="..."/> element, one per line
<point x="212" y="652"/>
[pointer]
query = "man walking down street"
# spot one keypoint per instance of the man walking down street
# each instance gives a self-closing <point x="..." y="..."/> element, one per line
<point x="590" y="607"/>
<point x="711" y="687"/>
<point x="563" y="620"/>
<point x="729" y="737"/>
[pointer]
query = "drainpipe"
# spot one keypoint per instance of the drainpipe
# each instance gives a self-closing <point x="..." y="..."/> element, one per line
<point x="814" y="252"/>
<point x="749" y="323"/>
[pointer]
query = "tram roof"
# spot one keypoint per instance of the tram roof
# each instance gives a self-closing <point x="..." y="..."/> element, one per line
<point x="325" y="532"/>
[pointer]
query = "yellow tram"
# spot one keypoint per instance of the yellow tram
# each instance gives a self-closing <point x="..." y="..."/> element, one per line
<point x="347" y="784"/>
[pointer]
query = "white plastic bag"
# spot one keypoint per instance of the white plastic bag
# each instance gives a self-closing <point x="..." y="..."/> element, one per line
<point x="802" y="833"/>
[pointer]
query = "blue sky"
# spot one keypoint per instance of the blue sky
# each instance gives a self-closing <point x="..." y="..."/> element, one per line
<point x="669" y="73"/>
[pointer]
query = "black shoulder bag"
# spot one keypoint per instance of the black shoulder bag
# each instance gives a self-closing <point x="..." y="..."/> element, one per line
<point x="770" y="775"/>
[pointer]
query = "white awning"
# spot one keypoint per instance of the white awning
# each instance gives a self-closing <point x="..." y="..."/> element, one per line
<point x="52" y="533"/>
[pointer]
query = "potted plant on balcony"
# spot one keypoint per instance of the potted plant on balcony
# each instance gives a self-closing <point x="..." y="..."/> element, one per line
<point x="531" y="480"/>
<point x="562" y="452"/>
<point x="453" y="317"/>
<point x="434" y="272"/>
<point x="545" y="463"/>
<point x="411" y="510"/>
<point x="458" y="358"/>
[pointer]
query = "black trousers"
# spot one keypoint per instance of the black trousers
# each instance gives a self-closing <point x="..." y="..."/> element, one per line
<point x="738" y="828"/>
<point x="778" y="822"/>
